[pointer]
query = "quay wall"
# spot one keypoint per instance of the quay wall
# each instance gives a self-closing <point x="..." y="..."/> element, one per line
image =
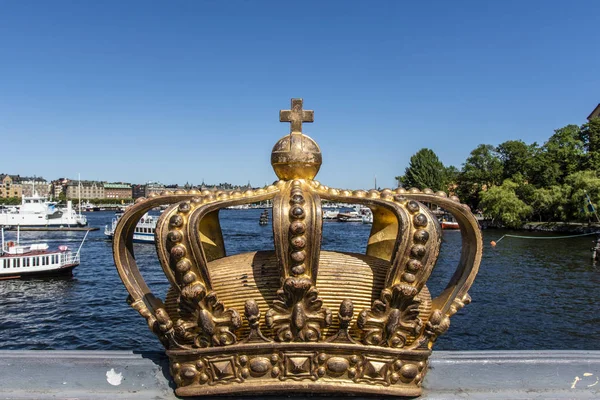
<point x="32" y="374"/>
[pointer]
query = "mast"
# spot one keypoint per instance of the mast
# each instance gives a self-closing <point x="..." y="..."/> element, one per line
<point x="79" y="193"/>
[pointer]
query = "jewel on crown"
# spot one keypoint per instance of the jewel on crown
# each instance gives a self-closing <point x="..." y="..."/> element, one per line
<point x="298" y="318"/>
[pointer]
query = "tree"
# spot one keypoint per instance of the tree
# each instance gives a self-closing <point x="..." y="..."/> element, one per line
<point x="515" y="155"/>
<point x="564" y="152"/>
<point x="452" y="174"/>
<point x="550" y="204"/>
<point x="482" y="170"/>
<point x="581" y="185"/>
<point x="590" y="136"/>
<point x="503" y="205"/>
<point x="424" y="170"/>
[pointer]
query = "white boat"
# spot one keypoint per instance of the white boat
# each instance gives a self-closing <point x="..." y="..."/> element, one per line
<point x="367" y="217"/>
<point x="38" y="211"/>
<point x="23" y="261"/>
<point x="355" y="216"/>
<point x="144" y="230"/>
<point x="330" y="214"/>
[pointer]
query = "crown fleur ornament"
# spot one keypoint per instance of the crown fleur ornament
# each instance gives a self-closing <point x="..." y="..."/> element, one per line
<point x="298" y="318"/>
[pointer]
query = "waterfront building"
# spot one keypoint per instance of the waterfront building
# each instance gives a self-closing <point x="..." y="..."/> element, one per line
<point x="153" y="187"/>
<point x="59" y="186"/>
<point x="86" y="190"/>
<point x="10" y="186"/>
<point x="37" y="184"/>
<point x="117" y="191"/>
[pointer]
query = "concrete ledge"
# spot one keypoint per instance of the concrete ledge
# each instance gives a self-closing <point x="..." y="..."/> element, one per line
<point x="453" y="375"/>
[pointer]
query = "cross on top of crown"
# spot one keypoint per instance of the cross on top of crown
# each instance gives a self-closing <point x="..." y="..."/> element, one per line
<point x="296" y="116"/>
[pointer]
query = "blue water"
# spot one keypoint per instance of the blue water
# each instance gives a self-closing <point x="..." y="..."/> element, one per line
<point x="529" y="294"/>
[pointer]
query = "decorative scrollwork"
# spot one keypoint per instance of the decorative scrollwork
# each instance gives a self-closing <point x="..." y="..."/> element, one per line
<point x="298" y="313"/>
<point x="437" y="325"/>
<point x="204" y="319"/>
<point x="393" y="318"/>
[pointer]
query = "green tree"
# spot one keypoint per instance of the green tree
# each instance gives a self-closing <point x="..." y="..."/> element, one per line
<point x="515" y="156"/>
<point x="482" y="170"/>
<point x="503" y="205"/>
<point x="551" y="204"/>
<point x="564" y="153"/>
<point x="590" y="136"/>
<point x="424" y="170"/>
<point x="580" y="184"/>
<point x="452" y="175"/>
<point x="11" y="201"/>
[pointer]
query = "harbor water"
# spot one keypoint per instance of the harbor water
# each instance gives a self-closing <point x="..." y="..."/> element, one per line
<point x="529" y="294"/>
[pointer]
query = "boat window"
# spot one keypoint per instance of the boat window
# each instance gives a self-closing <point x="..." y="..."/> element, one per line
<point x="47" y="260"/>
<point x="17" y="263"/>
<point x="4" y="264"/>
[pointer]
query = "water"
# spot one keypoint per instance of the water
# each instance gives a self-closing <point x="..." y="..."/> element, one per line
<point x="534" y="294"/>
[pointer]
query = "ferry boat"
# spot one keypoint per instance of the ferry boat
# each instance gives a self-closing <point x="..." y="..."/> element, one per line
<point x="32" y="260"/>
<point x="144" y="230"/>
<point x="38" y="211"/>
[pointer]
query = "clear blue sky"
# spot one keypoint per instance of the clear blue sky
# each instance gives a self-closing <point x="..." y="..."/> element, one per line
<point x="190" y="90"/>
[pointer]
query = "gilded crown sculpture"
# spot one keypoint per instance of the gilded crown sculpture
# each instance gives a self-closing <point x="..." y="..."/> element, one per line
<point x="298" y="318"/>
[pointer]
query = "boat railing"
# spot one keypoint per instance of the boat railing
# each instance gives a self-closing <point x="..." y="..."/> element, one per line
<point x="70" y="258"/>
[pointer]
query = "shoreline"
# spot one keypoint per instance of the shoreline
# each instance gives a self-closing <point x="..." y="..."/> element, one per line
<point x="559" y="227"/>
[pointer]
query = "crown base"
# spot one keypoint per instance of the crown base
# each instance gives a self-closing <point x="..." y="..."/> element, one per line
<point x="268" y="367"/>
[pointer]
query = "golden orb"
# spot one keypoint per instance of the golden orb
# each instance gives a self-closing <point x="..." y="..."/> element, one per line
<point x="296" y="156"/>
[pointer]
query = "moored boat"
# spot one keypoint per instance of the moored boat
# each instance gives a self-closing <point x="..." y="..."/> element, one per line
<point x="38" y="211"/>
<point x="359" y="214"/>
<point x="33" y="260"/>
<point x="144" y="230"/>
<point x="447" y="221"/>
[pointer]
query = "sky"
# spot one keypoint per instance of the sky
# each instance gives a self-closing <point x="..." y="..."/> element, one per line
<point x="190" y="91"/>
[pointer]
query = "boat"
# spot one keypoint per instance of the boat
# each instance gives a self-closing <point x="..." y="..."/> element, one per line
<point x="38" y="211"/>
<point x="367" y="218"/>
<point x="330" y="214"/>
<point x="264" y="218"/>
<point x="35" y="260"/>
<point x="144" y="230"/>
<point x="447" y="221"/>
<point x="356" y="215"/>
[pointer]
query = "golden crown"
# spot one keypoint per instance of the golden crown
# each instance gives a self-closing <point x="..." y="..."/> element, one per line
<point x="299" y="345"/>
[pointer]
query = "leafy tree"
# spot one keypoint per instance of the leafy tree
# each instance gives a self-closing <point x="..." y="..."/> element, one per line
<point x="551" y="204"/>
<point x="524" y="190"/>
<point x="515" y="156"/>
<point x="503" y="205"/>
<point x="11" y="201"/>
<point x="579" y="184"/>
<point x="482" y="170"/>
<point x="452" y="175"/>
<point x="564" y="152"/>
<point x="542" y="171"/>
<point x="424" y="170"/>
<point x="590" y="136"/>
